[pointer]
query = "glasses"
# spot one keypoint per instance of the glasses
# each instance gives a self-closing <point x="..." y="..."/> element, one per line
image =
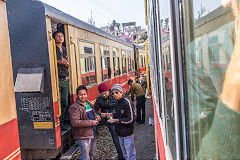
<point x="115" y="93"/>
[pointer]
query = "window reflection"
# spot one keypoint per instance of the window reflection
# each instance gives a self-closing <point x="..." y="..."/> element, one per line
<point x="167" y="77"/>
<point x="212" y="57"/>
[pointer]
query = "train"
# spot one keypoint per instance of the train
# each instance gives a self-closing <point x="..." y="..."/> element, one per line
<point x="9" y="141"/>
<point x="30" y="98"/>
<point x="193" y="51"/>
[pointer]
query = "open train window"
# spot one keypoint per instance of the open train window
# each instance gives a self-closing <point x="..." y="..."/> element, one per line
<point x="124" y="62"/>
<point x="116" y="64"/>
<point x="129" y="61"/>
<point x="87" y="63"/>
<point x="105" y="59"/>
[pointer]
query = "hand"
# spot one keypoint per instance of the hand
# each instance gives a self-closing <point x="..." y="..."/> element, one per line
<point x="104" y="115"/>
<point x="231" y="85"/>
<point x="98" y="118"/>
<point x="65" y="62"/>
<point x="226" y="3"/>
<point x="109" y="115"/>
<point x="113" y="121"/>
<point x="95" y="122"/>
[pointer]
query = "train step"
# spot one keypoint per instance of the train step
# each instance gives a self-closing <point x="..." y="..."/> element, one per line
<point x="69" y="154"/>
<point x="65" y="129"/>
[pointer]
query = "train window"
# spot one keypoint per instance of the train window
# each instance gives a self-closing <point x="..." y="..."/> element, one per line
<point x="212" y="68"/>
<point x="106" y="68"/>
<point x="116" y="64"/>
<point x="124" y="62"/>
<point x="129" y="61"/>
<point x="141" y="60"/>
<point x="166" y="71"/>
<point x="88" y="50"/>
<point x="87" y="64"/>
<point x="133" y="65"/>
<point x="144" y="60"/>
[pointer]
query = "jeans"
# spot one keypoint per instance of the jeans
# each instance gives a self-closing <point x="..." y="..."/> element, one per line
<point x="128" y="147"/>
<point x="64" y="90"/>
<point x="87" y="148"/>
<point x="115" y="139"/>
<point x="140" y="109"/>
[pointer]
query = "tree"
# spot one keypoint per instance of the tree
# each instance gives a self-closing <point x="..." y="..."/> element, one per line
<point x="115" y="24"/>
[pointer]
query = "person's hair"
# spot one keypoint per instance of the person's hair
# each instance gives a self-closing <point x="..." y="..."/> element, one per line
<point x="82" y="87"/>
<point x="54" y="34"/>
<point x="130" y="81"/>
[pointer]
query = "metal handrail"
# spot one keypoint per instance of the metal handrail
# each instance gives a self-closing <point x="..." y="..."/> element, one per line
<point x="75" y="52"/>
<point x="146" y="45"/>
<point x="56" y="72"/>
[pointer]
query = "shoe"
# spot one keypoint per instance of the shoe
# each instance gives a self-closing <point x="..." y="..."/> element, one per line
<point x="136" y="124"/>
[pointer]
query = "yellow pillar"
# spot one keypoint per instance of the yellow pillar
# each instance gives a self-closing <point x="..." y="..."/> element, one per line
<point x="146" y="45"/>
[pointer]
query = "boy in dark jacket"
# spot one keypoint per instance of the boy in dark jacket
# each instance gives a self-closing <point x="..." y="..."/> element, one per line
<point x="84" y="120"/>
<point x="124" y="123"/>
<point x="105" y="107"/>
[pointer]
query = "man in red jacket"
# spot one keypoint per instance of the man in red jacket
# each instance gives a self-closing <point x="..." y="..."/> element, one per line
<point x="84" y="120"/>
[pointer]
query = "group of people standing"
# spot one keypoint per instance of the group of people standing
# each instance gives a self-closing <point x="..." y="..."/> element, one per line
<point x="111" y="108"/>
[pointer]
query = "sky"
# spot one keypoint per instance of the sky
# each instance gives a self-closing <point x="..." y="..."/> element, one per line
<point x="103" y="11"/>
<point x="209" y="5"/>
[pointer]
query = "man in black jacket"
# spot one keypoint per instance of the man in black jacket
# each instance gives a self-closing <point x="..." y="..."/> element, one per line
<point x="124" y="123"/>
<point x="105" y="107"/>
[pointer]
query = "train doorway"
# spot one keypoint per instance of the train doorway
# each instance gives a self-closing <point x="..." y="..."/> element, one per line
<point x="62" y="71"/>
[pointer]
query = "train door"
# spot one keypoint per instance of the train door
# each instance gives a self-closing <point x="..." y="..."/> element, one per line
<point x="9" y="137"/>
<point x="60" y="91"/>
<point x="62" y="124"/>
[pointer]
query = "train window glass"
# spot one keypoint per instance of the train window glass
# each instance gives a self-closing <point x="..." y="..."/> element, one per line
<point x="105" y="59"/>
<point x="129" y="61"/>
<point x="166" y="71"/>
<point x="212" y="68"/>
<point x="144" y="60"/>
<point x="87" y="65"/>
<point x="88" y="50"/>
<point x="124" y="62"/>
<point x="133" y="65"/>
<point x="116" y="64"/>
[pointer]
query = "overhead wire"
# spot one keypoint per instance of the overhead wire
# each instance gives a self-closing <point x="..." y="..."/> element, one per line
<point x="87" y="6"/>
<point x="110" y="10"/>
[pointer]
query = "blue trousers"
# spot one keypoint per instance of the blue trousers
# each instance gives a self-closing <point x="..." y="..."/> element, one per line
<point x="115" y="139"/>
<point x="128" y="147"/>
<point x="87" y="148"/>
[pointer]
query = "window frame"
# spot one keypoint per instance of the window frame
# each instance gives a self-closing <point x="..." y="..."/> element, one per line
<point x="87" y="56"/>
<point x="124" y="57"/>
<point x="117" y="56"/>
<point x="103" y="48"/>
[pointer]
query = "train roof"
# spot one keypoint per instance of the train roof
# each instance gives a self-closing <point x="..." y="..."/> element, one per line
<point x="65" y="18"/>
